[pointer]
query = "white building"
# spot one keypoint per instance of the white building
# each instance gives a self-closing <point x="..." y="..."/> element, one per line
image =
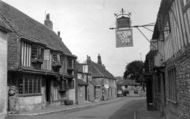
<point x="3" y="69"/>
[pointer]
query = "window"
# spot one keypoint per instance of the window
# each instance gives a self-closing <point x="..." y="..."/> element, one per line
<point x="30" y="84"/>
<point x="172" y="85"/>
<point x="63" y="85"/>
<point x="71" y="84"/>
<point x="56" y="57"/>
<point x="70" y="63"/>
<point x="37" y="52"/>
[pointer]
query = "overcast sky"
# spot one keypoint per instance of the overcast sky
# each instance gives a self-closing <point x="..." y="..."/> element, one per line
<point x="84" y="26"/>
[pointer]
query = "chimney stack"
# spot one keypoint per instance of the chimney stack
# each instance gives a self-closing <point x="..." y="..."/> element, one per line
<point x="48" y="23"/>
<point x="99" y="59"/>
<point x="88" y="59"/>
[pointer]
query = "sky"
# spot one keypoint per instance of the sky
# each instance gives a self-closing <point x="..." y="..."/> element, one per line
<point x="84" y="27"/>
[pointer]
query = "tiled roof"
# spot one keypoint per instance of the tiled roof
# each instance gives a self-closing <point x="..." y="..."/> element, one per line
<point x="98" y="70"/>
<point x="27" y="28"/>
<point x="3" y="26"/>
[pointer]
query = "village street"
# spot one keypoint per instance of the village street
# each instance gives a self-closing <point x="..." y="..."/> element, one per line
<point x="95" y="59"/>
<point x="123" y="108"/>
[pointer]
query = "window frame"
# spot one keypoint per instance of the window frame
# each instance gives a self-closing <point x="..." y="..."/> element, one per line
<point x="27" y="85"/>
<point x="70" y="84"/>
<point x="172" y="92"/>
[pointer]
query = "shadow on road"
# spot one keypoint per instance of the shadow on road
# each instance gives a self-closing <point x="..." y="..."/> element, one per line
<point x="127" y="110"/>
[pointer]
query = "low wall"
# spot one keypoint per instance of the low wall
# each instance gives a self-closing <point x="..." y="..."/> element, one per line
<point x="29" y="103"/>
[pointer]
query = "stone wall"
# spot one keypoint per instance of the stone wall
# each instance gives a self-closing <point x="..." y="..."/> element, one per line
<point x="81" y="94"/>
<point x="91" y="92"/>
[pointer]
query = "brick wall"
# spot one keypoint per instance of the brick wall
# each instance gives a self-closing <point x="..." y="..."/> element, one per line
<point x="183" y="88"/>
<point x="13" y="52"/>
<point x="181" y="109"/>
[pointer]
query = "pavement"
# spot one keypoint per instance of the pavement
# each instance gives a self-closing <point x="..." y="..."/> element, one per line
<point x="118" y="108"/>
<point x="143" y="113"/>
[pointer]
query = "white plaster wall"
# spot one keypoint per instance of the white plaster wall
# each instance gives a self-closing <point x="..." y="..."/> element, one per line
<point x="3" y="75"/>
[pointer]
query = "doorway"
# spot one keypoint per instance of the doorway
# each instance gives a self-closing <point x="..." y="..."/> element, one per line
<point x="48" y="90"/>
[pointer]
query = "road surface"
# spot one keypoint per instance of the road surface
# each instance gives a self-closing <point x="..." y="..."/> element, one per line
<point x="124" y="108"/>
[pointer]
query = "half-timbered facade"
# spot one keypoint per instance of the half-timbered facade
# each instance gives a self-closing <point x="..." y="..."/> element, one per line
<point x="40" y="66"/>
<point x="171" y="63"/>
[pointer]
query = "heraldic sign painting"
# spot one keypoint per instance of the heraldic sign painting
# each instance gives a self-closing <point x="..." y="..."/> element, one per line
<point x="124" y="38"/>
<point x="123" y="30"/>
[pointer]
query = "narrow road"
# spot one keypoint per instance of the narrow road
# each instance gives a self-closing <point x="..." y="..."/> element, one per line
<point x="122" y="109"/>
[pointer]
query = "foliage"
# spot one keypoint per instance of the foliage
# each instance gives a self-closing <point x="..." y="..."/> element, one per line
<point x="134" y="71"/>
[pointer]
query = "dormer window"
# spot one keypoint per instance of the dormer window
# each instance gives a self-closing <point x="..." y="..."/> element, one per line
<point x="56" y="57"/>
<point x="37" y="56"/>
<point x="56" y="62"/>
<point x="37" y="52"/>
<point x="70" y="63"/>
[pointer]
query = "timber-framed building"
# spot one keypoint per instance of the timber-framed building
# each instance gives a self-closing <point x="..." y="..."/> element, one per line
<point x="40" y="66"/>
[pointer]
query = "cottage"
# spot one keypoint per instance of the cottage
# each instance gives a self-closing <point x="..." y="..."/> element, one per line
<point x="4" y="29"/>
<point x="40" y="66"/>
<point x="169" y="75"/>
<point x="103" y="81"/>
<point x="128" y="88"/>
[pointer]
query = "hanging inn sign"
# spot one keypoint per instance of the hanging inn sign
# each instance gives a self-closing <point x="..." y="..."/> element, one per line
<point x="123" y="30"/>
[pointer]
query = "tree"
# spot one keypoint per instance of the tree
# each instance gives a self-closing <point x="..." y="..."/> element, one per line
<point x="134" y="71"/>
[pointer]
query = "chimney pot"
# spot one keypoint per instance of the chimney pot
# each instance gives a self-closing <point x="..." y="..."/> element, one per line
<point x="59" y="33"/>
<point x="48" y="17"/>
<point x="99" y="59"/>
